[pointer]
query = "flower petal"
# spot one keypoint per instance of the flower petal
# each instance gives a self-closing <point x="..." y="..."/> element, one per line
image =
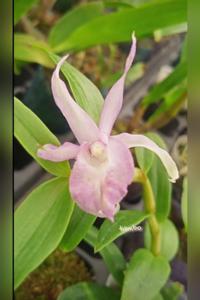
<point x="58" y="153"/>
<point x="98" y="187"/>
<point x="114" y="99"/>
<point x="83" y="127"/>
<point x="137" y="140"/>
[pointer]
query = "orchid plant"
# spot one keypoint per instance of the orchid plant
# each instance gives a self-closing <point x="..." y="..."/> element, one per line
<point x="61" y="211"/>
<point x="104" y="165"/>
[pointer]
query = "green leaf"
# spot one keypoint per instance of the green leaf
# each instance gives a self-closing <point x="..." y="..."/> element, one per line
<point x="177" y="29"/>
<point x="146" y="274"/>
<point x="145" y="157"/>
<point x="111" y="254"/>
<point x="73" y="20"/>
<point x="142" y="2"/>
<point x="114" y="261"/>
<point x="86" y="94"/>
<point x="169" y="239"/>
<point x="118" y="26"/>
<point x="32" y="133"/>
<point x="30" y="49"/>
<point x="172" y="291"/>
<point x="162" y="88"/>
<point x="158" y="297"/>
<point x="171" y="103"/>
<point x="88" y="291"/>
<point x="39" y="224"/>
<point x="184" y="202"/>
<point x="161" y="185"/>
<point x="172" y="91"/>
<point x="119" y="3"/>
<point x="110" y="231"/>
<point x="21" y="7"/>
<point x="79" y="225"/>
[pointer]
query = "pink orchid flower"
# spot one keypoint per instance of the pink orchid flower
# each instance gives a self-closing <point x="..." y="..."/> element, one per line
<point x="104" y="165"/>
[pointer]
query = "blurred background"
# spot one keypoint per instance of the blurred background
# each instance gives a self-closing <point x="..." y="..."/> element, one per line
<point x="97" y="34"/>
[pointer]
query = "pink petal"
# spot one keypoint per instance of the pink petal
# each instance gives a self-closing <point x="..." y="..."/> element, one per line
<point x="83" y="127"/>
<point x="58" y="153"/>
<point x="137" y="140"/>
<point x="114" y="99"/>
<point x="98" y="185"/>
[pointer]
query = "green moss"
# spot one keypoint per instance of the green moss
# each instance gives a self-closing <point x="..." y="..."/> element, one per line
<point x="57" y="272"/>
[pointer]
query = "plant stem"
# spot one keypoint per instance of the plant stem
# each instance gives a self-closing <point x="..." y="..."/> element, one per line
<point x="30" y="29"/>
<point x="150" y="207"/>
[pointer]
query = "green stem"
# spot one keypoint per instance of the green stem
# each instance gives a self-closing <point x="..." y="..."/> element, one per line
<point x="150" y="207"/>
<point x="30" y="29"/>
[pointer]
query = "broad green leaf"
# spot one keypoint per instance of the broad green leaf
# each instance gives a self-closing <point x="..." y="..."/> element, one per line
<point x="123" y="220"/>
<point x="114" y="261"/>
<point x="160" y="89"/>
<point x="169" y="239"/>
<point x="161" y="185"/>
<point x="29" y="49"/>
<point x="111" y="254"/>
<point x="172" y="291"/>
<point x="79" y="225"/>
<point x="32" y="133"/>
<point x="39" y="224"/>
<point x="145" y="157"/>
<point x="89" y="291"/>
<point x="142" y="2"/>
<point x="158" y="297"/>
<point x="184" y="202"/>
<point x="73" y="20"/>
<point x="85" y="93"/>
<point x="146" y="274"/>
<point x="118" y="26"/>
<point x="119" y="3"/>
<point x="21" y="7"/>
<point x="180" y="28"/>
<point x="126" y="3"/>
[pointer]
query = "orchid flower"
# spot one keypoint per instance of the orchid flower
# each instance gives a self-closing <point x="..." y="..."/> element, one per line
<point x="104" y="165"/>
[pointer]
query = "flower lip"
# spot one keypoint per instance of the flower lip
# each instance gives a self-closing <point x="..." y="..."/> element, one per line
<point x="98" y="150"/>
